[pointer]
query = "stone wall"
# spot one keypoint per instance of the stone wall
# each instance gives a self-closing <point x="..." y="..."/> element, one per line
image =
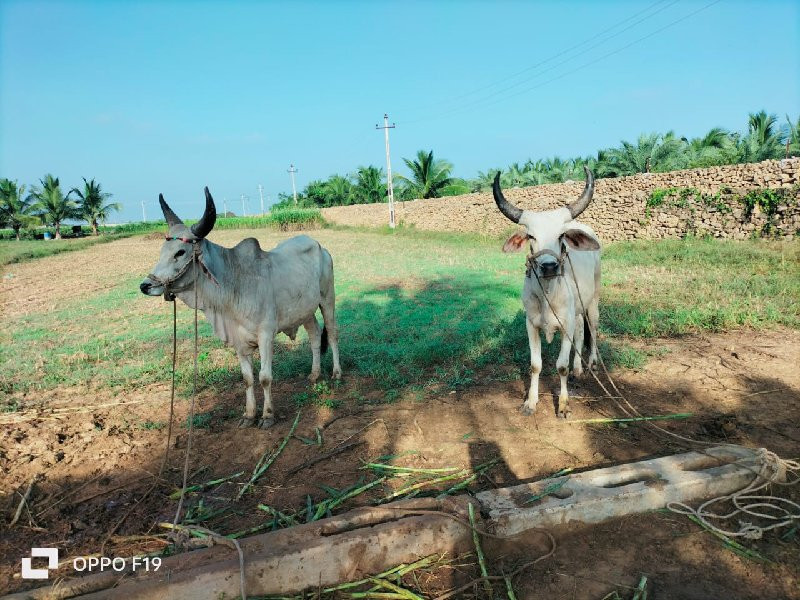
<point x="619" y="210"/>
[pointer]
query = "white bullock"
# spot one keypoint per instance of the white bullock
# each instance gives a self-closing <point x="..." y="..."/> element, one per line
<point x="249" y="295"/>
<point x="562" y="287"/>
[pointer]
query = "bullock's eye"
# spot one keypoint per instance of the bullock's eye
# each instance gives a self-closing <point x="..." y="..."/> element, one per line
<point x="180" y="253"/>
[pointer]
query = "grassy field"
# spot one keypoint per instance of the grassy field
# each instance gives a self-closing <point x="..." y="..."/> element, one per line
<point x="415" y="311"/>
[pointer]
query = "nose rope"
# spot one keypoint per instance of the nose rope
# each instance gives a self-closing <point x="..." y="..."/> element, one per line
<point x="530" y="263"/>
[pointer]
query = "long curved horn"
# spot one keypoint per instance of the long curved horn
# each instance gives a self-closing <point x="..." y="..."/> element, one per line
<point x="206" y="223"/>
<point x="169" y="215"/>
<point x="508" y="209"/>
<point x="581" y="203"/>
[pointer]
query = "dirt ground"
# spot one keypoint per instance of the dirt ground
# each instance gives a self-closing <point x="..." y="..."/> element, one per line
<point x="92" y="465"/>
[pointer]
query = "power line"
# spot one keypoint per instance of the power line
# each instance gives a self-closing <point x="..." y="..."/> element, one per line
<point x="570" y="72"/>
<point x="567" y="50"/>
<point x="386" y="127"/>
<point x="479" y="101"/>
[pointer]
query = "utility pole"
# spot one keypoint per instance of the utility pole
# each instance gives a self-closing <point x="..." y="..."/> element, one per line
<point x="244" y="211"/>
<point x="224" y="207"/>
<point x="144" y="214"/>
<point x="291" y="170"/>
<point x="386" y="127"/>
<point x="261" y="194"/>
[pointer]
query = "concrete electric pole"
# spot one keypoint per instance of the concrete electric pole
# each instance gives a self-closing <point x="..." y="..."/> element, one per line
<point x="386" y="127"/>
<point x="291" y="170"/>
<point x="144" y="214"/>
<point x="261" y="194"/>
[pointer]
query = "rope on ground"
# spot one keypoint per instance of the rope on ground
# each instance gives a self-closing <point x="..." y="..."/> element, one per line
<point x="745" y="501"/>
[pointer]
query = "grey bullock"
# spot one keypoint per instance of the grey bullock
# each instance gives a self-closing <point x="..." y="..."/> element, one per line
<point x="249" y="295"/>
<point x="562" y="289"/>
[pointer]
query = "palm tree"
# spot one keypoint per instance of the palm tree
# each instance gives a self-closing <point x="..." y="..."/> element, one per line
<point x="369" y="187"/>
<point x="792" y="137"/>
<point x="338" y="191"/>
<point x="428" y="176"/>
<point x="763" y="139"/>
<point x="15" y="210"/>
<point x="652" y="153"/>
<point x="315" y="192"/>
<point x="91" y="203"/>
<point x="484" y="180"/>
<point x="717" y="147"/>
<point x="51" y="205"/>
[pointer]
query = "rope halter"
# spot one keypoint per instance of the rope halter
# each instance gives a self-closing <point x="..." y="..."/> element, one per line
<point x="196" y="257"/>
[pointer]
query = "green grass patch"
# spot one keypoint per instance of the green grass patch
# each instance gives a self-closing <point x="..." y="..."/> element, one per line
<point x="416" y="312"/>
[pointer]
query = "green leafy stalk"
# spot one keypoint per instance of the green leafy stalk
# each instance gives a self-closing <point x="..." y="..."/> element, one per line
<point x="323" y="507"/>
<point x="421" y="484"/>
<point x="264" y="463"/>
<point x="479" y="551"/>
<point x="550" y="489"/>
<point x="641" y="589"/>
<point x="509" y="587"/>
<point x="732" y="545"/>
<point x="202" y="486"/>
<point x="282" y="517"/>
<point x="385" y="467"/>
<point x="632" y="419"/>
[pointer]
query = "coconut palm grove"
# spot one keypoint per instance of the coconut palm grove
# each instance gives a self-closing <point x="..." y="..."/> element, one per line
<point x="47" y="202"/>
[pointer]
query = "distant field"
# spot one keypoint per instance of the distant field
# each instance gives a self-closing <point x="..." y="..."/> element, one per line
<point x="415" y="310"/>
<point x="12" y="251"/>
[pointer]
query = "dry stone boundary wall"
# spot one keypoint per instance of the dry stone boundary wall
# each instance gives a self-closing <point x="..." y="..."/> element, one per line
<point x="619" y="209"/>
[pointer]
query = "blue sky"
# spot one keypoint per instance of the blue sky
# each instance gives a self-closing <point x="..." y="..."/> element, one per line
<point x="151" y="97"/>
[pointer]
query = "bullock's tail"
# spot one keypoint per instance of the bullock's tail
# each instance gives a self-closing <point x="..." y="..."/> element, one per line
<point x="324" y="344"/>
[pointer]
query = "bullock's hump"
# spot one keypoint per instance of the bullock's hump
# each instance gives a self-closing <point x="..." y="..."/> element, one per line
<point x="249" y="247"/>
<point x="297" y="244"/>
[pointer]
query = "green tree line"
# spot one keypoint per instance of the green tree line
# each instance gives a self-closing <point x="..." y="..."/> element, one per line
<point x="47" y="204"/>
<point x="765" y="138"/>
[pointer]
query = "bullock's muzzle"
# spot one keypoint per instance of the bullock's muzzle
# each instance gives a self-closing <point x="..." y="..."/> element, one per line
<point x="546" y="269"/>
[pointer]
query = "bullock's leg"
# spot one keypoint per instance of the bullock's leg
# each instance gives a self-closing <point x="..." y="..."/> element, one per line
<point x="577" y="363"/>
<point x="594" y="320"/>
<point x="265" y="342"/>
<point x="315" y="338"/>
<point x="328" y="308"/>
<point x="562" y="364"/>
<point x="246" y="362"/>
<point x="535" y="343"/>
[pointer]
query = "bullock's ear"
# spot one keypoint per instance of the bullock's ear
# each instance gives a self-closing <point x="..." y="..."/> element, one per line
<point x="516" y="242"/>
<point x="580" y="240"/>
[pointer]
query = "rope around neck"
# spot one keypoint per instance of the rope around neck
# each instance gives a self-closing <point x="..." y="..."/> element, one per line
<point x="773" y="469"/>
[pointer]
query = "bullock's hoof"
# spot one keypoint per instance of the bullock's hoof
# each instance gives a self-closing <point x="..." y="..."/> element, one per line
<point x="337" y="374"/>
<point x="266" y="423"/>
<point x="526" y="410"/>
<point x="577" y="371"/>
<point x="246" y="422"/>
<point x="564" y="411"/>
<point x="313" y="377"/>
